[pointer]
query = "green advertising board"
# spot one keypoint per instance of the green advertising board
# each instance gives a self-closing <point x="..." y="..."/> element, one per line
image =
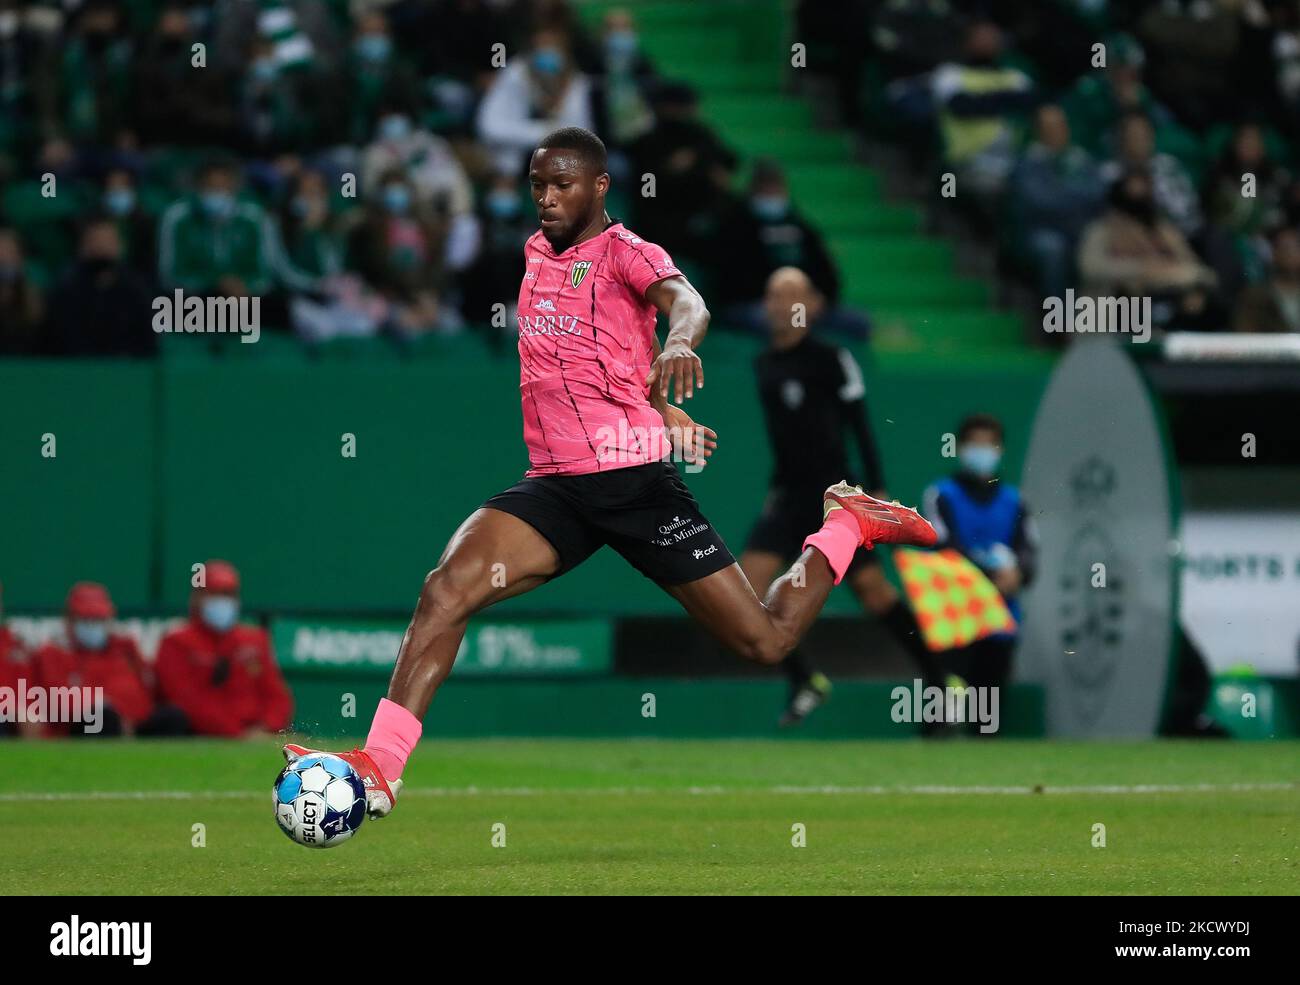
<point x="368" y="647"/>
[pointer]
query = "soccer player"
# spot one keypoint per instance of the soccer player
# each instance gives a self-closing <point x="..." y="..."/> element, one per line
<point x="595" y="387"/>
<point x="813" y="398"/>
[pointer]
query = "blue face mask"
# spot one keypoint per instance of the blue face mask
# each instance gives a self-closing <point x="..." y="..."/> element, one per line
<point x="263" y="69"/>
<point x="770" y="207"/>
<point x="219" y="612"/>
<point x="373" y="47"/>
<point x="219" y="205"/>
<point x="547" y="61"/>
<point x="620" y="44"/>
<point x="502" y="204"/>
<point x="980" y="460"/>
<point x="395" y="127"/>
<point x="397" y="199"/>
<point x="119" y="201"/>
<point x="90" y="634"/>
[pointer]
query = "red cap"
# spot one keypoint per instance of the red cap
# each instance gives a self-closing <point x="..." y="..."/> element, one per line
<point x="221" y="577"/>
<point x="90" y="600"/>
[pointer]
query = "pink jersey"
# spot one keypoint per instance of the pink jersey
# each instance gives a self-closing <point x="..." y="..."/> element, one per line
<point x="585" y="347"/>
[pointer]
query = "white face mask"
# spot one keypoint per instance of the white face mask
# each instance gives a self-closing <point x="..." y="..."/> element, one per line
<point x="90" y="634"/>
<point x="219" y="612"/>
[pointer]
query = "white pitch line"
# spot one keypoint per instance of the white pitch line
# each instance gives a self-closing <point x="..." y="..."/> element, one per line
<point x="830" y="790"/>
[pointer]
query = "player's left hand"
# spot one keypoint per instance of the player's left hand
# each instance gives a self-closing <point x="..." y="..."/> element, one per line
<point x="1008" y="579"/>
<point x="679" y="365"/>
<point x="692" y="443"/>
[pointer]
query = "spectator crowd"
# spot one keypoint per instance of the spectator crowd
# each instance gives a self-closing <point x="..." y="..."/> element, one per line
<point x="211" y="676"/>
<point x="1143" y="148"/>
<point x="357" y="165"/>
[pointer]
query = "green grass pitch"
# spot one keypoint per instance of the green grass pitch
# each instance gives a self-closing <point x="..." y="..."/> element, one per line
<point x="635" y="816"/>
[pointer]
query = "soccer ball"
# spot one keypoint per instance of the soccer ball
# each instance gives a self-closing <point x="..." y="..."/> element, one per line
<point x="319" y="801"/>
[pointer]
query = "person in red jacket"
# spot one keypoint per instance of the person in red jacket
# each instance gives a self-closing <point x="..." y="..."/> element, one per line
<point x="92" y="656"/>
<point x="221" y="673"/>
<point x="13" y="660"/>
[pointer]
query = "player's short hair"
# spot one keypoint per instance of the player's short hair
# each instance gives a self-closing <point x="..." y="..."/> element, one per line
<point x="589" y="147"/>
<point x="979" y="422"/>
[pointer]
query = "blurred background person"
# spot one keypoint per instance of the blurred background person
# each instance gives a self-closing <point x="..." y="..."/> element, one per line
<point x="1274" y="304"/>
<point x="987" y="520"/>
<point x="763" y="233"/>
<point x="538" y="91"/>
<point x="220" y="672"/>
<point x="13" y="664"/>
<point x="814" y="401"/>
<point x="92" y="656"/>
<point x="22" y="303"/>
<point x="101" y="306"/>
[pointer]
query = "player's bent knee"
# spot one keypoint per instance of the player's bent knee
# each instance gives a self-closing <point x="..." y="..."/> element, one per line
<point x="453" y="591"/>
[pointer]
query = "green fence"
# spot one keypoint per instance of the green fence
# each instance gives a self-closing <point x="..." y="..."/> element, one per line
<point x="157" y="466"/>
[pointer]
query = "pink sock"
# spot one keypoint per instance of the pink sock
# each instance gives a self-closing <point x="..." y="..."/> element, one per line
<point x="838" y="538"/>
<point x="393" y="734"/>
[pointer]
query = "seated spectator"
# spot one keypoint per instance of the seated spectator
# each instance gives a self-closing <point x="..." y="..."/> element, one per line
<point x="172" y="101"/>
<point x="1175" y="191"/>
<point x="120" y="200"/>
<point x="1193" y="45"/>
<point x="988" y="521"/>
<point x="93" y="656"/>
<point x="397" y="249"/>
<point x="692" y="169"/>
<point x="1100" y="99"/>
<point x="220" y="672"/>
<point x="1132" y="252"/>
<point x="437" y="180"/>
<point x="1055" y="191"/>
<point x="212" y="243"/>
<point x="13" y="665"/>
<point x="507" y="221"/>
<point x="95" y="72"/>
<point x="538" y="91"/>
<point x="1274" y="305"/>
<point x="978" y="100"/>
<point x="1237" y="248"/>
<point x="22" y="304"/>
<point x="378" y="75"/>
<point x="286" y="99"/>
<point x="619" y="103"/>
<point x="763" y="233"/>
<point x="101" y="306"/>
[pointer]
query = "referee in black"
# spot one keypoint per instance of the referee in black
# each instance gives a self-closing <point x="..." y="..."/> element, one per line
<point x="813" y="396"/>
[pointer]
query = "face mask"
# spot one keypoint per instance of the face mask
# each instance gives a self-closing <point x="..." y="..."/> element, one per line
<point x="503" y="204"/>
<point x="394" y="128"/>
<point x="263" y="70"/>
<point x="373" y="47"/>
<point x="620" y="44"/>
<point x="119" y="201"/>
<point x="770" y="207"/>
<point x="547" y="61"/>
<point x="90" y="635"/>
<point x="219" y="613"/>
<point x="219" y="205"/>
<point x="980" y="460"/>
<point x="300" y="206"/>
<point x="397" y="199"/>
<point x="97" y="266"/>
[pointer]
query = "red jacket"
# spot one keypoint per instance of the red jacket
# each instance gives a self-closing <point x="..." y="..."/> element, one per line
<point x="12" y="665"/>
<point x="117" y="668"/>
<point x="251" y="694"/>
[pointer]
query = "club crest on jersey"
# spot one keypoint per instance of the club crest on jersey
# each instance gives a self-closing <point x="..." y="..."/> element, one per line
<point x="578" y="272"/>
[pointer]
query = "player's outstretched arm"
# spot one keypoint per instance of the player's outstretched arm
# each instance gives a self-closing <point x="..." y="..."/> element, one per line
<point x="688" y="322"/>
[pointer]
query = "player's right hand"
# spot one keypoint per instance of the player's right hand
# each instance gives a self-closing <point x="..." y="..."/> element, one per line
<point x="679" y="366"/>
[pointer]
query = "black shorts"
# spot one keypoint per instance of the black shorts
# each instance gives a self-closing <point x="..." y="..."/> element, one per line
<point x="645" y="512"/>
<point x="789" y="516"/>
